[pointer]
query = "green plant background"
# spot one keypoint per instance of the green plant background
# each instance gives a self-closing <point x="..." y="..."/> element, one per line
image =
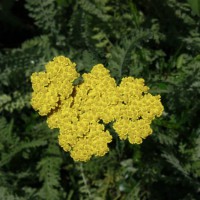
<point x="153" y="39"/>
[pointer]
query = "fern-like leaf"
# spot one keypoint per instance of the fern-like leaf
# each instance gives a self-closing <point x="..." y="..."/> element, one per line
<point x="120" y="55"/>
<point x="43" y="12"/>
<point x="49" y="173"/>
<point x="170" y="158"/>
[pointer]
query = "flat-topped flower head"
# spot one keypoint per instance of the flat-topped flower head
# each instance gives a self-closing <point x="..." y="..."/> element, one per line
<point x="81" y="111"/>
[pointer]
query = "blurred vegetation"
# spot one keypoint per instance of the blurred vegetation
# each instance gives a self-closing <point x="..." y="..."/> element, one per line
<point x="153" y="39"/>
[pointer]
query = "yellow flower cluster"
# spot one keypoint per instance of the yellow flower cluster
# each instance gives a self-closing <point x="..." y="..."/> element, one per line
<point x="54" y="85"/>
<point x="81" y="111"/>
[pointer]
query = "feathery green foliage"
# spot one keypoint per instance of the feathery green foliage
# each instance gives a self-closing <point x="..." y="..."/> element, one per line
<point x="156" y="40"/>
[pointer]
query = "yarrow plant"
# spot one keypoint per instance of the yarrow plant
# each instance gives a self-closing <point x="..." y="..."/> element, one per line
<point x="81" y="111"/>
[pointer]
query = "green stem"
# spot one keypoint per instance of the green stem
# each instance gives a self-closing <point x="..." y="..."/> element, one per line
<point x="85" y="180"/>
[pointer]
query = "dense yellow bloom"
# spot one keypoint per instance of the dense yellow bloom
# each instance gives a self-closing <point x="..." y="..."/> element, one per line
<point x="53" y="85"/>
<point x="81" y="112"/>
